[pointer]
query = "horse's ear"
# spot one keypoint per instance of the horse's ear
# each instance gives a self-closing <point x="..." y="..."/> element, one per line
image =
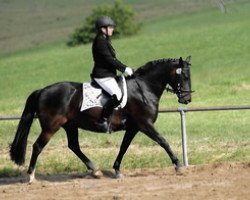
<point x="188" y="59"/>
<point x="180" y="61"/>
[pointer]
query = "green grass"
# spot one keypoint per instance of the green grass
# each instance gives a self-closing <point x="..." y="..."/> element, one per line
<point x="27" y="23"/>
<point x="219" y="45"/>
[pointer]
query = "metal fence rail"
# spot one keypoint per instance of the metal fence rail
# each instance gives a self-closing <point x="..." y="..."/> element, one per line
<point x="9" y="118"/>
<point x="206" y="109"/>
<point x="182" y="111"/>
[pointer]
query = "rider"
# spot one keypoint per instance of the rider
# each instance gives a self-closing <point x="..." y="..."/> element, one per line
<point x="105" y="66"/>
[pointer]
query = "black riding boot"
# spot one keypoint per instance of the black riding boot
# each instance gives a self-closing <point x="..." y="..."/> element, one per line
<point x="106" y="112"/>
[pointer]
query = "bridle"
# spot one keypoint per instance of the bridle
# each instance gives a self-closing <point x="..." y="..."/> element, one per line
<point x="179" y="92"/>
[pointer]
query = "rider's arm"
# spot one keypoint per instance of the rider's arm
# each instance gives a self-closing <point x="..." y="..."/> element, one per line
<point x="103" y="50"/>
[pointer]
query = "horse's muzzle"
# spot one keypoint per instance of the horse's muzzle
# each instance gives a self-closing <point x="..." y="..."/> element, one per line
<point x="184" y="101"/>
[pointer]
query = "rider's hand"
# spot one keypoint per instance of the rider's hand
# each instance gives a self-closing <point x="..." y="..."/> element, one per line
<point x="128" y="71"/>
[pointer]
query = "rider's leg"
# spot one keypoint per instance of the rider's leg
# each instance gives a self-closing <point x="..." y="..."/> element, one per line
<point x="108" y="108"/>
<point x="109" y="85"/>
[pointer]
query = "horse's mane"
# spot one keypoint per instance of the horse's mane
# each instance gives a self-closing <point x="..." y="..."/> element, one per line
<point x="152" y="64"/>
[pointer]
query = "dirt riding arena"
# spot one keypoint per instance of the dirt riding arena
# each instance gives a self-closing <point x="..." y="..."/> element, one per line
<point x="220" y="181"/>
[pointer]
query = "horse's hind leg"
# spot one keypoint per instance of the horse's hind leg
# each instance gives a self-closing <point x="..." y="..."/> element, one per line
<point x="38" y="146"/>
<point x="73" y="144"/>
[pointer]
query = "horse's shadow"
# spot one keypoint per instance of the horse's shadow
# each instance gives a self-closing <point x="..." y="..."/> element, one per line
<point x="23" y="178"/>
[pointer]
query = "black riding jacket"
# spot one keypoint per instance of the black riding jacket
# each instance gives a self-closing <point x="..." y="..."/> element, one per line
<point x="105" y="61"/>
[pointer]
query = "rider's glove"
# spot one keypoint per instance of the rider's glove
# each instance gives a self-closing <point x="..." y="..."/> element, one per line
<point x="128" y="71"/>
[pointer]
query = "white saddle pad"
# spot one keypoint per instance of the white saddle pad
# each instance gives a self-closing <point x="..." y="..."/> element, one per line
<point x="93" y="97"/>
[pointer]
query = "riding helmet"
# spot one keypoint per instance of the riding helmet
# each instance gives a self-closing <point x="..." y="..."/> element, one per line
<point x="104" y="21"/>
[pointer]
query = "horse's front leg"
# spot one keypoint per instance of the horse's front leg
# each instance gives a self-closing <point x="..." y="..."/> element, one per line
<point x="127" y="139"/>
<point x="152" y="133"/>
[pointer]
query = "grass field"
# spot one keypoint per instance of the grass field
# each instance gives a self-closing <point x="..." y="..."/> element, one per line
<point x="27" y="23"/>
<point x="219" y="45"/>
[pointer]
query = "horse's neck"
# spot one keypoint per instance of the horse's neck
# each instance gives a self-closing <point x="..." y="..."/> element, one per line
<point x="156" y="81"/>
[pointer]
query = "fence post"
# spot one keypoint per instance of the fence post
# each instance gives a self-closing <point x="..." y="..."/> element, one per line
<point x="184" y="135"/>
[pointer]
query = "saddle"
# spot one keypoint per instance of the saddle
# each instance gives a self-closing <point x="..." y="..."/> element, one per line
<point x="95" y="96"/>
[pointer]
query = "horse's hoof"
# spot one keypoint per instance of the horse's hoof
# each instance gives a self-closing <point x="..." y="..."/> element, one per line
<point x="97" y="173"/>
<point x="32" y="178"/>
<point x="180" y="170"/>
<point x="32" y="181"/>
<point x="119" y="175"/>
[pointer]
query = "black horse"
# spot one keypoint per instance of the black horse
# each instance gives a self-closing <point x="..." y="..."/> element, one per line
<point x="58" y="106"/>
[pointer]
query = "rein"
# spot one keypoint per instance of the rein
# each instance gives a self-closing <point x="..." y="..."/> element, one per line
<point x="140" y="89"/>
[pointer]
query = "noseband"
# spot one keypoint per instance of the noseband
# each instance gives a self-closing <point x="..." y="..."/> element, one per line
<point x="178" y="90"/>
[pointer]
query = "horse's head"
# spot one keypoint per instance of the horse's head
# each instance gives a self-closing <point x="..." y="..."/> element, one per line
<point x="181" y="81"/>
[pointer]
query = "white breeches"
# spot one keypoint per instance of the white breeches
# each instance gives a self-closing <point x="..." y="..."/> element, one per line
<point x="110" y="85"/>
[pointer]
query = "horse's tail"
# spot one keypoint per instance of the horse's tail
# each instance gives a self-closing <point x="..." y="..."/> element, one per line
<point x="18" y="146"/>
